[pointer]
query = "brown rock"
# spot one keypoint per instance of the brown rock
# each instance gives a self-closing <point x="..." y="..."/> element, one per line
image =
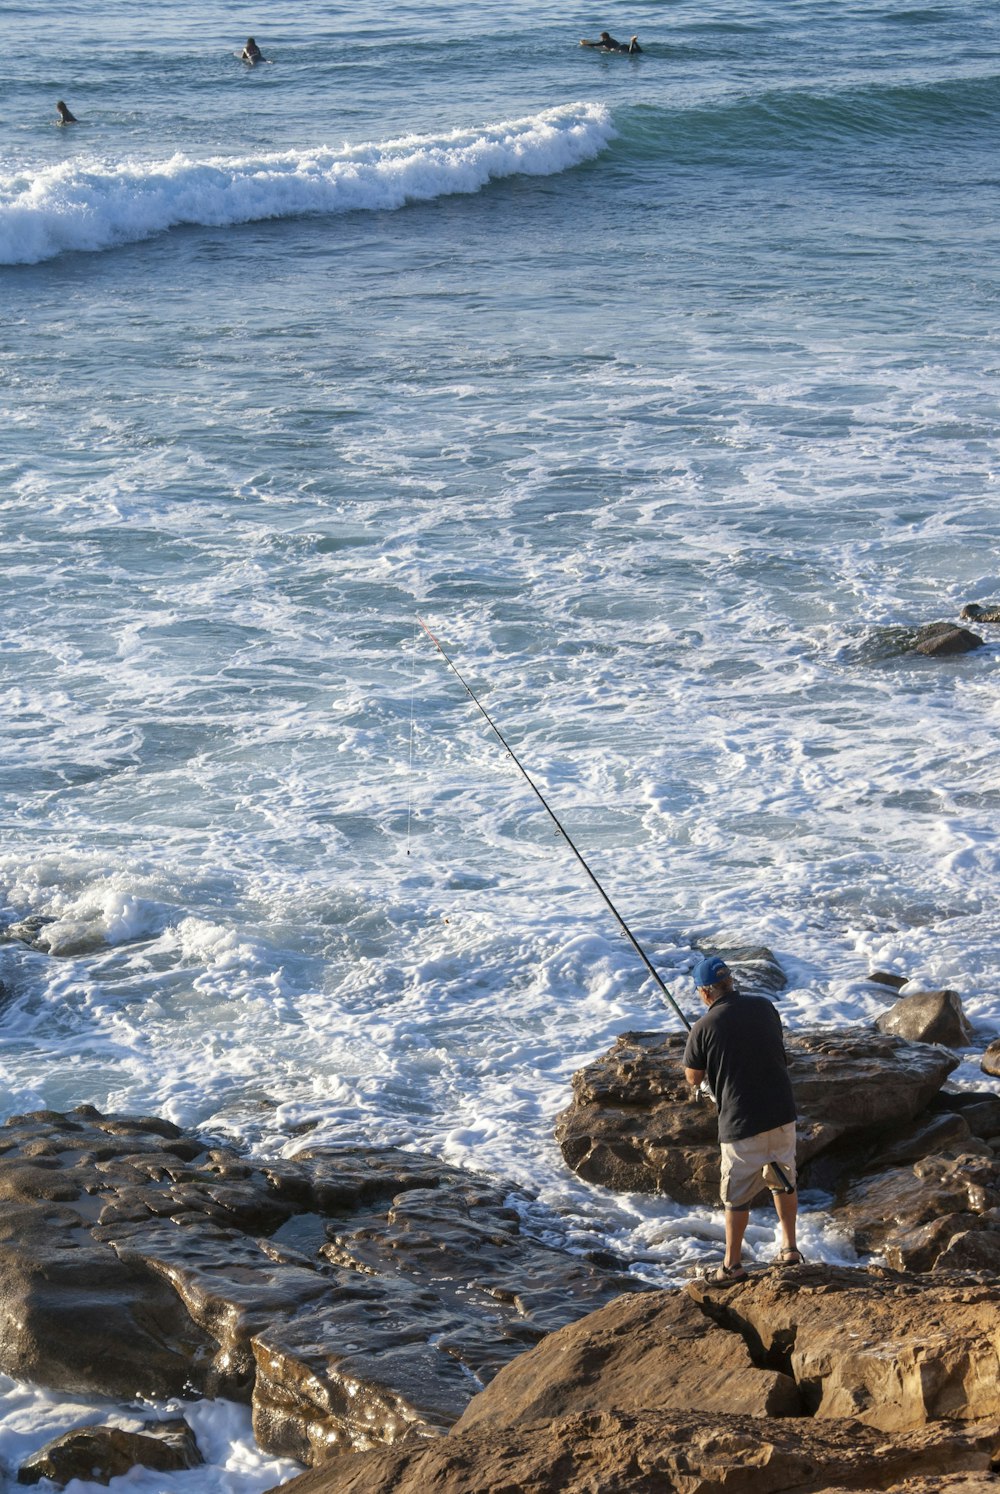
<point x="892" y="1351"/>
<point x="634" y="1125"/>
<point x="980" y="1109"/>
<point x="991" y="1059"/>
<point x="99" y="1454"/>
<point x="901" y="1375"/>
<point x="973" y="612"/>
<point x="928" y="1017"/>
<point x="659" y="1349"/>
<point x="943" y="638"/>
<point x="351" y="1294"/>
<point x="659" y="1452"/>
<point x="888" y="978"/>
<point x="912" y="1214"/>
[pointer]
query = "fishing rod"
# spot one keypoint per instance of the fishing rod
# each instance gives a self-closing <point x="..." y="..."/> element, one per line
<point x="551" y="814"/>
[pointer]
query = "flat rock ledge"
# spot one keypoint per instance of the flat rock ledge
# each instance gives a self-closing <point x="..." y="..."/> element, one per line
<point x="913" y="1170"/>
<point x="352" y="1296"/>
<point x="812" y="1379"/>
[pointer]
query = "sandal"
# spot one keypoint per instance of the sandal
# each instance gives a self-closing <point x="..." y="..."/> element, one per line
<point x="789" y="1256"/>
<point x="726" y="1273"/>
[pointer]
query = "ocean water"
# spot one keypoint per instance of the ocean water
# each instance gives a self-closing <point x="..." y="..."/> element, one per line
<point x="663" y="387"/>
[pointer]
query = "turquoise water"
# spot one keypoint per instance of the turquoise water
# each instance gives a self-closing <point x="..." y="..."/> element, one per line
<point x="663" y="387"/>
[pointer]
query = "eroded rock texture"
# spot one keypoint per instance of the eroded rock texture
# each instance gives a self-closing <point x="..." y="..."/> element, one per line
<point x="891" y="1350"/>
<point x="884" y="1382"/>
<point x="354" y="1296"/>
<point x="664" y="1452"/>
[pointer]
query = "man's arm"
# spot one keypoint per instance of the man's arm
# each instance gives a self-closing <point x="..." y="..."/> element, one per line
<point x="694" y="1076"/>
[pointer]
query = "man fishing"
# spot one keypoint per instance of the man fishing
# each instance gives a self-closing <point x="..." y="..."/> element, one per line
<point x="738" y="1047"/>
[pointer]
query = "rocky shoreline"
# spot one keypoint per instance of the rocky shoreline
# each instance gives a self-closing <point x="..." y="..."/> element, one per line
<point x="392" y="1323"/>
<point x="809" y="1379"/>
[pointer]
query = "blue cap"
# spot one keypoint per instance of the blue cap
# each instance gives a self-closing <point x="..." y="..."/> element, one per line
<point x="710" y="971"/>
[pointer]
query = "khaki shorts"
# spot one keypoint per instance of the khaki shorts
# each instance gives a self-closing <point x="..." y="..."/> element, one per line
<point x="749" y="1164"/>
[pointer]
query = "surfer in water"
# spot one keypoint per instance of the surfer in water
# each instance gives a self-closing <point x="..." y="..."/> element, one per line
<point x="65" y="117"/>
<point x="252" y="53"/>
<point x="607" y="43"/>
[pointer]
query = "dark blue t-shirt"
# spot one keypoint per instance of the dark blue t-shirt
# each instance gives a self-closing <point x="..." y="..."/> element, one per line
<point x="738" y="1043"/>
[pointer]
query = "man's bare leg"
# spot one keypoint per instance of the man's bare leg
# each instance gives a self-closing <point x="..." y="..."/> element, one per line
<point x="787" y="1205"/>
<point x="736" y="1227"/>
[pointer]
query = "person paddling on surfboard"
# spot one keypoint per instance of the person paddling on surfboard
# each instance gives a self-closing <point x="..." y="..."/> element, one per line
<point x="65" y="117"/>
<point x="252" y="53"/>
<point x="607" y="43"/>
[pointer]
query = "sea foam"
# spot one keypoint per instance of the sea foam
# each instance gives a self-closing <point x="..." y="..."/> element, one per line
<point x="99" y="204"/>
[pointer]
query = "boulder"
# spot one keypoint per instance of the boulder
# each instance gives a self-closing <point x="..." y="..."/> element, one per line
<point x="350" y="1295"/>
<point x="28" y="930"/>
<point x="973" y="612"/>
<point x="944" y="638"/>
<point x="99" y="1454"/>
<point x="991" y="1060"/>
<point x="635" y="1125"/>
<point x="664" y="1452"/>
<point x="928" y="1017"/>
<point x="659" y="1349"/>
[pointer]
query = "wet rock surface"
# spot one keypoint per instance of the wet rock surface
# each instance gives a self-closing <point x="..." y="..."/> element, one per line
<point x="878" y="645"/>
<point x="352" y="1296"/>
<point x="896" y="1380"/>
<point x="99" y="1454"/>
<point x="943" y="638"/>
<point x="975" y="612"/>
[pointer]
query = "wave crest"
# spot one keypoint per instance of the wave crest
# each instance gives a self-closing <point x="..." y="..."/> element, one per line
<point x="98" y="205"/>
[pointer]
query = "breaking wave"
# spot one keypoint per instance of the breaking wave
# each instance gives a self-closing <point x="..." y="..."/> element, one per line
<point x="97" y="205"/>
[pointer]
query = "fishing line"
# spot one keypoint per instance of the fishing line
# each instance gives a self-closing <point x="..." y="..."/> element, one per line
<point x="552" y="816"/>
<point x="409" y="766"/>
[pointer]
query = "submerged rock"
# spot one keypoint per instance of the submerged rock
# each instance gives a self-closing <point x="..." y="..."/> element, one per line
<point x="879" y="644"/>
<point x="888" y="978"/>
<point x="29" y="931"/>
<point x="352" y="1296"/>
